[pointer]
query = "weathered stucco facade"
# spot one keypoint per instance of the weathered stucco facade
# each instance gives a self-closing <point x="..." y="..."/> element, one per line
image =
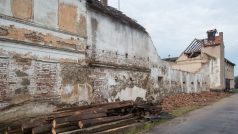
<point x="210" y="52"/>
<point x="229" y="74"/>
<point x="82" y="52"/>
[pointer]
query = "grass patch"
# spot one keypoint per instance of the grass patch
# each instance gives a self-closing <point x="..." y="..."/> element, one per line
<point x="234" y="91"/>
<point x="147" y="126"/>
<point x="184" y="110"/>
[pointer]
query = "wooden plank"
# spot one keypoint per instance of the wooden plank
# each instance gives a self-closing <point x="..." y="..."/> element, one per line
<point x="93" y="110"/>
<point x="74" y="118"/>
<point x="14" y="131"/>
<point x="42" y="129"/>
<point x="65" y="129"/>
<point x="102" y="127"/>
<point x="93" y="122"/>
<point x="89" y="106"/>
<point x="28" y="126"/>
<point x="66" y="124"/>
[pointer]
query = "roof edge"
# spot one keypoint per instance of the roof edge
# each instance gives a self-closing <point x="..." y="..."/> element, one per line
<point x="228" y="61"/>
<point x="115" y="14"/>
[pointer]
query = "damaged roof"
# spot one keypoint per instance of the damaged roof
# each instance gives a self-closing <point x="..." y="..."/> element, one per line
<point x="229" y="62"/>
<point x="116" y="14"/>
<point x="194" y="47"/>
<point x="173" y="59"/>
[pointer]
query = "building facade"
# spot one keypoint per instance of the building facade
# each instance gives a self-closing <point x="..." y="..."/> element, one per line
<point x="207" y="51"/>
<point x="82" y="52"/>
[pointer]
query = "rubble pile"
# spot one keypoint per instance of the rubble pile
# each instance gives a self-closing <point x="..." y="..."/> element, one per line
<point x="87" y="119"/>
<point x="188" y="99"/>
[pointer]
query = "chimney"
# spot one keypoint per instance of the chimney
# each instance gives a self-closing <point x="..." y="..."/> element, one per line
<point x="104" y="2"/>
<point x="211" y="34"/>
<point x="221" y="36"/>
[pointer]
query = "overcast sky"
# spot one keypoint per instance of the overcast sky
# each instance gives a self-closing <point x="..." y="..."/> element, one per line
<point x="173" y="24"/>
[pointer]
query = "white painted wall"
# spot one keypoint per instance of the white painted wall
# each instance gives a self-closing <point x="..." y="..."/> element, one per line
<point x="112" y="35"/>
<point x="46" y="13"/>
<point x="5" y="7"/>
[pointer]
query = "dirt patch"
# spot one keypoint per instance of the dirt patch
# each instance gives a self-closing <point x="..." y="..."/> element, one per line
<point x="171" y="103"/>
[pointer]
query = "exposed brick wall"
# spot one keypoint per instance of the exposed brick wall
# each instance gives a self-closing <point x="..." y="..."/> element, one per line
<point x="25" y="76"/>
<point x="46" y="78"/>
<point x="3" y="77"/>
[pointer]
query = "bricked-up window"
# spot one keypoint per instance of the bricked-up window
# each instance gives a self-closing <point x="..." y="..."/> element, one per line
<point x="46" y="13"/>
<point x="46" y="77"/>
<point x="22" y="9"/>
<point x="68" y="17"/>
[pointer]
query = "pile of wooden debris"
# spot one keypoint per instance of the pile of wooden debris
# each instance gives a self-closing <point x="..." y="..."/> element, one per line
<point x="87" y="119"/>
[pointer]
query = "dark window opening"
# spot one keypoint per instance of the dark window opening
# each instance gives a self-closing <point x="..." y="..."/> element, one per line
<point x="160" y="79"/>
<point x="131" y="79"/>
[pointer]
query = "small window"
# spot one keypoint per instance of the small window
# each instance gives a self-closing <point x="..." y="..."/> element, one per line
<point x="160" y="80"/>
<point x="131" y="79"/>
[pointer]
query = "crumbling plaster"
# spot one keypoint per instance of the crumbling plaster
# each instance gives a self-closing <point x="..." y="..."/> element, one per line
<point x="112" y="61"/>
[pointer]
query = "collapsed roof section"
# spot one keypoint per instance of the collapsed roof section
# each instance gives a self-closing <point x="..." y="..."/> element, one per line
<point x="194" y="49"/>
<point x="114" y="13"/>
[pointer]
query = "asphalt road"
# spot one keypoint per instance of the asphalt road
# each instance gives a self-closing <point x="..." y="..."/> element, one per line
<point x="219" y="118"/>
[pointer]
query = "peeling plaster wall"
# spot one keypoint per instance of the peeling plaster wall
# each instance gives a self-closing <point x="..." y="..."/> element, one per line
<point x="37" y="55"/>
<point x="122" y="48"/>
<point x="218" y="73"/>
<point x="92" y="58"/>
<point x="114" y="84"/>
<point x="48" y="14"/>
<point x="117" y="43"/>
<point x="165" y="81"/>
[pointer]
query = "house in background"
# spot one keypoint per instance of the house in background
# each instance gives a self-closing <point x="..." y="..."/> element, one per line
<point x="199" y="53"/>
<point x="229" y="74"/>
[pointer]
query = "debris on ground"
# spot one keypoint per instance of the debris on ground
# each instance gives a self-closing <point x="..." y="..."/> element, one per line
<point x="170" y="103"/>
<point x="87" y="119"/>
<point x="109" y="117"/>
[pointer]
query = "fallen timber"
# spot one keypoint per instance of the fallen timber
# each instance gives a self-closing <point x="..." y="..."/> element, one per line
<point x="86" y="119"/>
